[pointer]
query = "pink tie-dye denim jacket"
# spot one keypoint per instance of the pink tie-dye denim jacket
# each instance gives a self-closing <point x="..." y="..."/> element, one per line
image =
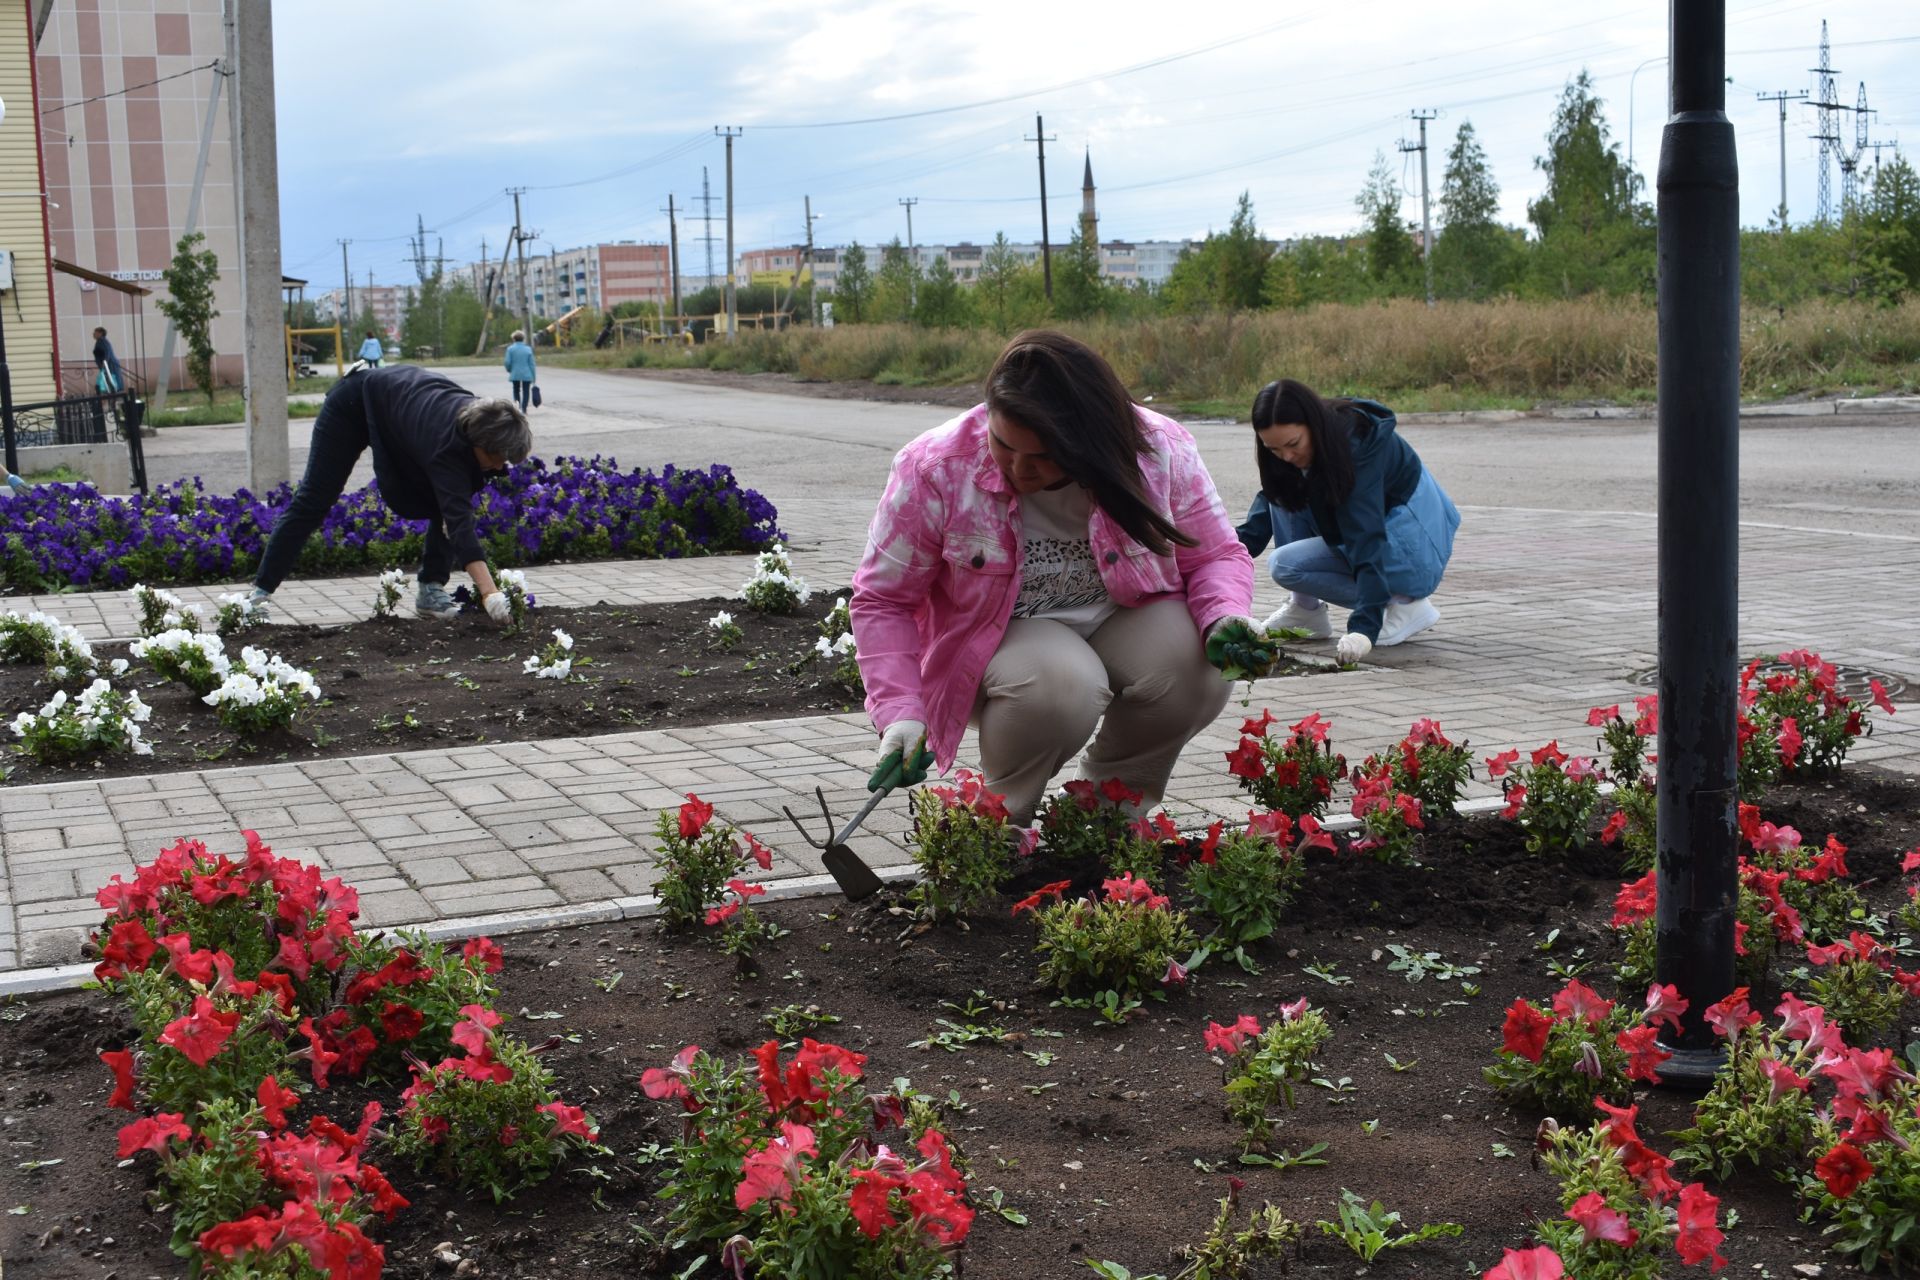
<point x="941" y="572"/>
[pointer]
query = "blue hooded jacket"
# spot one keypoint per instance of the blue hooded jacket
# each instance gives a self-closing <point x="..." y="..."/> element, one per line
<point x="519" y="362"/>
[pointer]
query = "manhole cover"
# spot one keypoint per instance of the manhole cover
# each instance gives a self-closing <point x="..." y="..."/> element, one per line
<point x="1853" y="681"/>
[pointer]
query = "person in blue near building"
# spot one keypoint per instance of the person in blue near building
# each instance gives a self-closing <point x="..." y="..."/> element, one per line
<point x="520" y="370"/>
<point x="371" y="350"/>
<point x="1355" y="519"/>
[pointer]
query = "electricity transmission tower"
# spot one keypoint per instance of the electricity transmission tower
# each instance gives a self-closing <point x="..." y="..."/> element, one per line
<point x="706" y="218"/>
<point x="1829" y="135"/>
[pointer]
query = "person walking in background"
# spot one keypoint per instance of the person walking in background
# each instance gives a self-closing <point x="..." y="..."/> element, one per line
<point x="520" y="370"/>
<point x="1355" y="518"/>
<point x="371" y="351"/>
<point x="1049" y="562"/>
<point x="108" y="379"/>
<point x="435" y="444"/>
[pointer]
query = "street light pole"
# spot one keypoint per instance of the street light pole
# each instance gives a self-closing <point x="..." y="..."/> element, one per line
<point x="1699" y="511"/>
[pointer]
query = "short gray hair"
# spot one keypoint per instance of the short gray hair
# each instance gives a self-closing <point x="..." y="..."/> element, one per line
<point x="519" y="335"/>
<point x="497" y="426"/>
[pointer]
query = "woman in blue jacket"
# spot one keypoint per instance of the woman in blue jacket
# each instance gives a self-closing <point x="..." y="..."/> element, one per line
<point x="1356" y="519"/>
<point x="520" y="371"/>
<point x="371" y="350"/>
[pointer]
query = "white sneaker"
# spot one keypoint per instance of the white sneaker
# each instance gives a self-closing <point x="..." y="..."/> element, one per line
<point x="1405" y="621"/>
<point x="432" y="601"/>
<point x="1314" y="622"/>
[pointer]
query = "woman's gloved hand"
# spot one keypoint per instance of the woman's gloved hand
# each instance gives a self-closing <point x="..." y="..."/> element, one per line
<point x="904" y="756"/>
<point x="497" y="607"/>
<point x="1352" y="648"/>
<point x="1239" y="648"/>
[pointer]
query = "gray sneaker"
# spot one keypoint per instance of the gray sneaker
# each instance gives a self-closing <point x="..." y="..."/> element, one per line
<point x="262" y="603"/>
<point x="432" y="601"/>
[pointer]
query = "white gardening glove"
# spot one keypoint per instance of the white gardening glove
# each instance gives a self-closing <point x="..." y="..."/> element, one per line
<point x="903" y="759"/>
<point x="497" y="607"/>
<point x="1352" y="648"/>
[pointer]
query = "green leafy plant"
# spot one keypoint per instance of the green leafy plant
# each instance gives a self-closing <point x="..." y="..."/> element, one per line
<point x="1420" y="965"/>
<point x="1390" y="821"/>
<point x="1582" y="1049"/>
<point x="1246" y="880"/>
<point x="723" y="632"/>
<point x="792" y="1020"/>
<point x="836" y="646"/>
<point x="1760" y="1110"/>
<point x="387" y="592"/>
<point x="1089" y="822"/>
<point x="190" y="278"/>
<point x="774" y="587"/>
<point x="488" y="1119"/>
<point x="962" y="844"/>
<point x="785" y="1170"/>
<point x="195" y="659"/>
<point x="1761" y="919"/>
<point x="43" y="639"/>
<point x="101" y="719"/>
<point x="1128" y="940"/>
<point x="198" y="1043"/>
<point x="1227" y="1252"/>
<point x="1426" y="765"/>
<point x="264" y="692"/>
<point x="1264" y="1065"/>
<point x="1370" y="1230"/>
<point x="1552" y="799"/>
<point x="1293" y="775"/>
<point x="698" y="860"/>
<point x="1623" y="1206"/>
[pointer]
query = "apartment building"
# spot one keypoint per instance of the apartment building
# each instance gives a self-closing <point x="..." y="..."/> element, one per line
<point x="121" y="142"/>
<point x="601" y="276"/>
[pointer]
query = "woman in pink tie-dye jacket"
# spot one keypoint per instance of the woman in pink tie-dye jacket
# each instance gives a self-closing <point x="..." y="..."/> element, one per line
<point x="1048" y="562"/>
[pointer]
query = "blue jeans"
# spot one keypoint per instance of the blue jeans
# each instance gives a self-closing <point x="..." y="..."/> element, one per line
<point x="1311" y="567"/>
<point x="522" y="392"/>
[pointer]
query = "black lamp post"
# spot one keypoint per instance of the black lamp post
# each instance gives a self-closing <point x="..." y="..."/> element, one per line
<point x="1699" y="388"/>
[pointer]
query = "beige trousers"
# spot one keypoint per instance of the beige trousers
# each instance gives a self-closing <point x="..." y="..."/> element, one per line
<point x="1143" y="678"/>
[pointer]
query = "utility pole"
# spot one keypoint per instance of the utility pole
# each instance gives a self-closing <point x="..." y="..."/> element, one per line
<point x="913" y="257"/>
<point x="1046" y="249"/>
<point x="1783" y="97"/>
<point x="813" y="300"/>
<point x="347" y="317"/>
<point x="520" y="239"/>
<point x="256" y="190"/>
<point x="729" y="133"/>
<point x="673" y="259"/>
<point x="1426" y="202"/>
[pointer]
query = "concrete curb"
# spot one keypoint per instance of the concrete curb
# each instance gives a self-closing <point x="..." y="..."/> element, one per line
<point x="1862" y="406"/>
<point x="71" y="977"/>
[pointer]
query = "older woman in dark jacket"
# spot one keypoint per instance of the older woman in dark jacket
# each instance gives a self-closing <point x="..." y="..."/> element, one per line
<point x="434" y="445"/>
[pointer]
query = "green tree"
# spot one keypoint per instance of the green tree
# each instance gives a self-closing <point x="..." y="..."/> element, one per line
<point x="1227" y="272"/>
<point x="1594" y="231"/>
<point x="1078" y="290"/>
<point x="1000" y="270"/>
<point x="942" y="304"/>
<point x="895" y="284"/>
<point x="423" y="326"/>
<point x="1890" y="212"/>
<point x="852" y="286"/>
<point x="1315" y="270"/>
<point x="460" y="329"/>
<point x="1472" y="255"/>
<point x="1390" y="251"/>
<point x="190" y="278"/>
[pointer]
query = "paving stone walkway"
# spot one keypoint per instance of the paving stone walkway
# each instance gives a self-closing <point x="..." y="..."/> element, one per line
<point x="1544" y="615"/>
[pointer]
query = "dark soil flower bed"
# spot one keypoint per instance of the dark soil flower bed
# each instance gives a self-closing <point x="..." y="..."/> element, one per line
<point x="1109" y="1141"/>
<point x="404" y="684"/>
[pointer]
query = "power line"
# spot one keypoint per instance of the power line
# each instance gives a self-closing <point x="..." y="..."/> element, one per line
<point x="1056" y="88"/>
<point x="146" y="84"/>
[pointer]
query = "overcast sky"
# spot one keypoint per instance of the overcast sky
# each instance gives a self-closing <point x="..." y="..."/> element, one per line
<point x="602" y="108"/>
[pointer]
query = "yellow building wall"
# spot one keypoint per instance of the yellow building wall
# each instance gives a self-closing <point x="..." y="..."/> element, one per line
<point x="23" y="215"/>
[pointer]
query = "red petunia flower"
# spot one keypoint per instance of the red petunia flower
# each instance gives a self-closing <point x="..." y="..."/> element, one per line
<point x="487" y="952"/>
<point x="200" y="1035"/>
<point x="1525" y="1030"/>
<point x="1537" y="1263"/>
<point x="276" y="1101"/>
<point x="1644" y="1056"/>
<point x="1247" y="760"/>
<point x="121" y="1061"/>
<point x="1699" y="1239"/>
<point x="1598" y="1222"/>
<point x="1880" y="698"/>
<point x="151" y="1133"/>
<point x="1033" y="901"/>
<point x="695" y="814"/>
<point x="661" y="1083"/>
<point x="570" y="1119"/>
<point x="474" y="1031"/>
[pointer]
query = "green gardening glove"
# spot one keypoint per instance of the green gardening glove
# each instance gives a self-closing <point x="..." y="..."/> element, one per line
<point x="1238" y="648"/>
<point x="904" y="757"/>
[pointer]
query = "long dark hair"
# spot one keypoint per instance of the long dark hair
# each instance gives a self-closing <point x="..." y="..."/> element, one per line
<point x="1330" y="423"/>
<point x="1061" y="390"/>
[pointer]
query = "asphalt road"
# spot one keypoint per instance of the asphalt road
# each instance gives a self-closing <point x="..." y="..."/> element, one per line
<point x="822" y="461"/>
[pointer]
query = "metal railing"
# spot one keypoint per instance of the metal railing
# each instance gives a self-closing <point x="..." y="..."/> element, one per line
<point x="85" y="419"/>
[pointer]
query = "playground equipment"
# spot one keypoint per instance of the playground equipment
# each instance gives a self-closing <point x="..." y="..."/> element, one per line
<point x="300" y="363"/>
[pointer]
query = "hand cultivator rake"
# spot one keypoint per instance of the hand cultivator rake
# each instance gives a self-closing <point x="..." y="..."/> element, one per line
<point x="855" y="878"/>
